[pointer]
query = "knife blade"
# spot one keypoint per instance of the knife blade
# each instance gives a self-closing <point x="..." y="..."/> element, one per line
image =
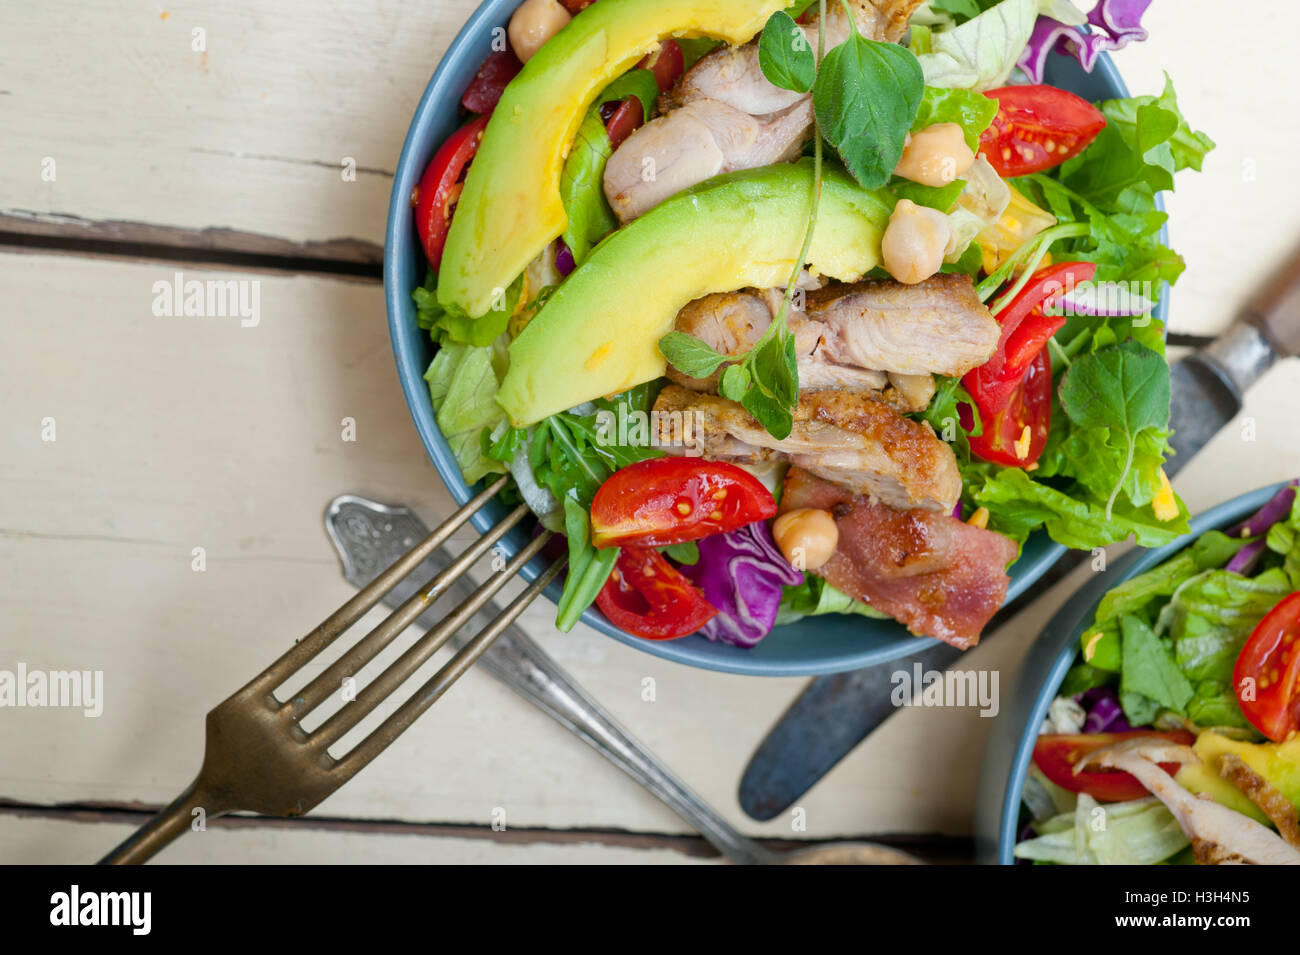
<point x="835" y="713"/>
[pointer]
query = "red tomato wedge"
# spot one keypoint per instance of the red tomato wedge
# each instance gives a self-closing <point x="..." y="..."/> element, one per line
<point x="1025" y="330"/>
<point x="671" y="500"/>
<point x="1036" y="128"/>
<point x="1003" y="438"/>
<point x="439" y="189"/>
<point x="1056" y="754"/>
<point x="485" y="89"/>
<point x="649" y="597"/>
<point x="1267" y="674"/>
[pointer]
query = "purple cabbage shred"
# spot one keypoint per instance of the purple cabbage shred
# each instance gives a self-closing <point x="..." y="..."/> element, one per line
<point x="1114" y="24"/>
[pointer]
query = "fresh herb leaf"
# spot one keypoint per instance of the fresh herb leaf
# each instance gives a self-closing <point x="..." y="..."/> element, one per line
<point x="1124" y="388"/>
<point x="865" y="98"/>
<point x="582" y="188"/>
<point x="690" y="355"/>
<point x="687" y="552"/>
<point x="589" y="567"/>
<point x="639" y="83"/>
<point x="942" y="198"/>
<point x="784" y="55"/>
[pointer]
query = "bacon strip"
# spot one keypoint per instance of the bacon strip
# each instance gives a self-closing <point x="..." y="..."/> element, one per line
<point x="937" y="575"/>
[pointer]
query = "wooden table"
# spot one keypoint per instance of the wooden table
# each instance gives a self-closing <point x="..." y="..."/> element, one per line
<point x="130" y="155"/>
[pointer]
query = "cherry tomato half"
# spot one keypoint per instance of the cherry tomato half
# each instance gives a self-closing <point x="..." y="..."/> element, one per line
<point x="671" y="500"/>
<point x="1036" y="128"/>
<point x="1030" y="406"/>
<point x="439" y="189"/>
<point x="1267" y="674"/>
<point x="649" y="597"/>
<point x="1025" y="330"/>
<point x="1056" y="754"/>
<point x="485" y="89"/>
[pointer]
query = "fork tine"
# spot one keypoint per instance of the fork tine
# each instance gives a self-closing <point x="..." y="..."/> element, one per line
<point x="369" y="646"/>
<point x="396" y="724"/>
<point x="363" y="600"/>
<point x="383" y="685"/>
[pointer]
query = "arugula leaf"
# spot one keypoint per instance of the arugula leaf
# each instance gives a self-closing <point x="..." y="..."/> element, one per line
<point x="866" y="96"/>
<point x="1124" y="388"/>
<point x="589" y="567"/>
<point x="687" y="552"/>
<point x="972" y="111"/>
<point x="784" y="55"/>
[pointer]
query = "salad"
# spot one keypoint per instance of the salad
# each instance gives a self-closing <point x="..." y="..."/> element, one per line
<point x="775" y="311"/>
<point x="1174" y="738"/>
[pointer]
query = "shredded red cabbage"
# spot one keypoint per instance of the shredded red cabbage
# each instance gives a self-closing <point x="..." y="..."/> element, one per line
<point x="1105" y="715"/>
<point x="1278" y="508"/>
<point x="1114" y="23"/>
<point x="742" y="573"/>
<point x="564" y="263"/>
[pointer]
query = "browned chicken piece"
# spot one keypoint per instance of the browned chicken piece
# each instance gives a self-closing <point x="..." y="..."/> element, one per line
<point x="727" y="116"/>
<point x="938" y="325"/>
<point x="851" y="439"/>
<point x="1218" y="834"/>
<point x="1280" y="810"/>
<point x="731" y="323"/>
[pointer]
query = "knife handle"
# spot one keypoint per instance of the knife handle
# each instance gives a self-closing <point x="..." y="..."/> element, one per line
<point x="1275" y="309"/>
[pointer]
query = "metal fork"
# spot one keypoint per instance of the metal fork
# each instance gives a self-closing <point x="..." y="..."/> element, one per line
<point x="259" y="758"/>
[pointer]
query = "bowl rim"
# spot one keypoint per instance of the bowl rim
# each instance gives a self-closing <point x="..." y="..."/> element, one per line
<point x="1059" y="643"/>
<point x="1039" y="554"/>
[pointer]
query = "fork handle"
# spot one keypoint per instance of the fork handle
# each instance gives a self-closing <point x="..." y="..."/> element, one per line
<point x="517" y="661"/>
<point x="164" y="828"/>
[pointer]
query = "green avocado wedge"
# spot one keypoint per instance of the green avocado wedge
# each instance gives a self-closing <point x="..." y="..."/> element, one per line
<point x="598" y="333"/>
<point x="510" y="207"/>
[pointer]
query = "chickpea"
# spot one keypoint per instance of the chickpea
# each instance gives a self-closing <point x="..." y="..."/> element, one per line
<point x="914" y="242"/>
<point x="806" y="536"/>
<point x="533" y="23"/>
<point x="936" y="155"/>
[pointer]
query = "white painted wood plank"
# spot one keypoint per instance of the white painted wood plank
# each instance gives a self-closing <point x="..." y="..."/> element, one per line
<point x="176" y="433"/>
<point x="45" y="841"/>
<point x="251" y="136"/>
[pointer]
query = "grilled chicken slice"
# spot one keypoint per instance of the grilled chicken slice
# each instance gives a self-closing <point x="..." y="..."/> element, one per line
<point x="1218" y="834"/>
<point x="1280" y="810"/>
<point x="938" y="325"/>
<point x="732" y="323"/>
<point x="934" y="573"/>
<point x="729" y="117"/>
<point x="852" y="439"/>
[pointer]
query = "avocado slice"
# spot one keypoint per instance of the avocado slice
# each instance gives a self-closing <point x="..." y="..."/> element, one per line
<point x="598" y="333"/>
<point x="510" y="207"/>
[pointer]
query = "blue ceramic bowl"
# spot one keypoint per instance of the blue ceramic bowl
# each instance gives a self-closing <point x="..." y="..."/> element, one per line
<point x="1015" y="729"/>
<point x="812" y="646"/>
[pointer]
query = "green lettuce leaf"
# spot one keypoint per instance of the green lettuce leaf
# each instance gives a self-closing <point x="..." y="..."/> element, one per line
<point x="463" y="382"/>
